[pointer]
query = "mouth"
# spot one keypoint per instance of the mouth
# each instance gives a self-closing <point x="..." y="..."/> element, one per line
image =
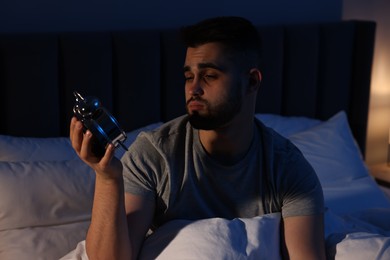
<point x="195" y="104"/>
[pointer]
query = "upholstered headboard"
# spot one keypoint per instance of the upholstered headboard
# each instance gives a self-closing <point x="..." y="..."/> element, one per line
<point x="312" y="70"/>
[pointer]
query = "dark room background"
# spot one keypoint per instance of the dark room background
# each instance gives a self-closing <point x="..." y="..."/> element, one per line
<point x="100" y="15"/>
<point x="71" y="15"/>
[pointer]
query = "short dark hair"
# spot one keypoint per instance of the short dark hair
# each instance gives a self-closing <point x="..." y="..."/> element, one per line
<point x="237" y="34"/>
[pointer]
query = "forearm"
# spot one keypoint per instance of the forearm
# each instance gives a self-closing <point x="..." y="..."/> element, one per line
<point x="304" y="237"/>
<point x="107" y="236"/>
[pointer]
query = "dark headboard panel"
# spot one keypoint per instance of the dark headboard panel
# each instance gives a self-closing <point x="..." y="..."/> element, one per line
<point x="313" y="70"/>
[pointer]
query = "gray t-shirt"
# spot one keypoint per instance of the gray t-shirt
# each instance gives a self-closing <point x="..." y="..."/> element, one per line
<point x="170" y="166"/>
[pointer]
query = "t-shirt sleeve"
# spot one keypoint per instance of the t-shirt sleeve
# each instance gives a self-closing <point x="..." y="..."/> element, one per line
<point x="301" y="189"/>
<point x="141" y="167"/>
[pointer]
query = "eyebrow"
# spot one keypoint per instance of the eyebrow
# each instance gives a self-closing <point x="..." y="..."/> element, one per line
<point x="204" y="66"/>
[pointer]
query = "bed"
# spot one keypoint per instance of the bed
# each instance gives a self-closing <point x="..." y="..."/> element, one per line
<point x="315" y="92"/>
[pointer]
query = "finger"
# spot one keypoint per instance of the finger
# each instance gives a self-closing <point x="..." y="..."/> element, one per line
<point x="106" y="159"/>
<point x="77" y="136"/>
<point x="85" y="151"/>
<point x="72" y="126"/>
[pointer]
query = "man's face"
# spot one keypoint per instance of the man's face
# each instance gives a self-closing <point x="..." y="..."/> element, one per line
<point x="213" y="87"/>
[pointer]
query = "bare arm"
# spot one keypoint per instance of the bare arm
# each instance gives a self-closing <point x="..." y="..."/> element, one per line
<point x="304" y="237"/>
<point x="139" y="218"/>
<point x="113" y="234"/>
<point x="109" y="235"/>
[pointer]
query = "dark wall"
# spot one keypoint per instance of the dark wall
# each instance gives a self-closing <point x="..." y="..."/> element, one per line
<point x="72" y="15"/>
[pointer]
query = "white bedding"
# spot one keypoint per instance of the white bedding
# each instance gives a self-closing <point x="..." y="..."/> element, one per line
<point x="41" y="243"/>
<point x="363" y="235"/>
<point x="360" y="235"/>
<point x="44" y="215"/>
<point x="216" y="238"/>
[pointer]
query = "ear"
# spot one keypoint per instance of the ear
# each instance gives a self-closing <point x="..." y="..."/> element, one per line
<point x="254" y="80"/>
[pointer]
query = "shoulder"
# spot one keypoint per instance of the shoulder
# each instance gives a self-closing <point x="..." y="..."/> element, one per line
<point x="152" y="148"/>
<point x="272" y="140"/>
<point x="282" y="156"/>
<point x="296" y="187"/>
<point x="169" y="134"/>
<point x="172" y="128"/>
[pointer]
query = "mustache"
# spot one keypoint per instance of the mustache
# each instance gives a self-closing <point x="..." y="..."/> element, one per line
<point x="198" y="99"/>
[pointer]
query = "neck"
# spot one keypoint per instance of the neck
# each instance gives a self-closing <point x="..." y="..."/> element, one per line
<point x="228" y="144"/>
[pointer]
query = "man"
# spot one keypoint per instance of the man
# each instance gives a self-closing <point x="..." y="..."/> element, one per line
<point x="217" y="161"/>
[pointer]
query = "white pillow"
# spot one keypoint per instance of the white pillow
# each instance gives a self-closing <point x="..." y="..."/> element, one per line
<point x="14" y="148"/>
<point x="287" y="125"/>
<point x="332" y="151"/>
<point x="216" y="238"/>
<point x="44" y="243"/>
<point x="44" y="193"/>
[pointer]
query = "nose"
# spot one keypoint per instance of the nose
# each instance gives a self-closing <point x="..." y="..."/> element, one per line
<point x="195" y="88"/>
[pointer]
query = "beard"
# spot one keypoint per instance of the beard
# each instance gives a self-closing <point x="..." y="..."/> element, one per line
<point x="217" y="116"/>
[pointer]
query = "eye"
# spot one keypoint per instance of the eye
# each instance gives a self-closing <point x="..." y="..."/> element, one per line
<point x="188" y="77"/>
<point x="209" y="77"/>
